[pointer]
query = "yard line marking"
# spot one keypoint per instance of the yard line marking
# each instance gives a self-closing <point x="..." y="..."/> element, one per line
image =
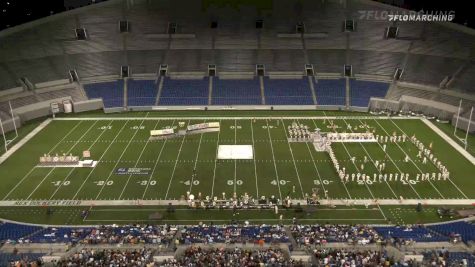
<point x="136" y="163"/>
<point x="273" y="157"/>
<point x="410" y="157"/>
<point x="344" y="185"/>
<point x="196" y="161"/>
<point x="72" y="170"/>
<point x="367" y="187"/>
<point x="366" y="151"/>
<point x="235" y="161"/>
<point x="254" y="157"/>
<point x="176" y="162"/>
<point x="293" y="159"/>
<point x="49" y="152"/>
<point x="120" y="157"/>
<point x="316" y="168"/>
<point x="449" y="178"/>
<point x="397" y="167"/>
<point x="103" y="154"/>
<point x="69" y="151"/>
<point x="215" y="161"/>
<point x="156" y="164"/>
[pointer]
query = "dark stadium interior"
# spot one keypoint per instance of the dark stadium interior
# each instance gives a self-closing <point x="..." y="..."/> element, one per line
<point x="237" y="133"/>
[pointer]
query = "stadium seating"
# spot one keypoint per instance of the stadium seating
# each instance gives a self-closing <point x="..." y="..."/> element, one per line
<point x="131" y="234"/>
<point x="60" y="235"/>
<point x="74" y="93"/>
<point x="418" y="234"/>
<point x="362" y="91"/>
<point x="112" y="93"/>
<point x="330" y="92"/>
<point x="177" y="92"/>
<point x="11" y="231"/>
<point x="7" y="258"/>
<point x="319" y="234"/>
<point x="141" y="92"/>
<point x="464" y="229"/>
<point x="446" y="258"/>
<point x="236" y="92"/>
<point x="287" y="92"/>
<point x="220" y="234"/>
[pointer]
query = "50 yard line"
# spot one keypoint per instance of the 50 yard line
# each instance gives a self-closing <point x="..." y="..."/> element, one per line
<point x="196" y="162"/>
<point x="254" y="157"/>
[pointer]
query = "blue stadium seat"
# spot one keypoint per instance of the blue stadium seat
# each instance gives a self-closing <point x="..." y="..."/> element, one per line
<point x="60" y="235"/>
<point x="418" y="234"/>
<point x="141" y="92"/>
<point x="177" y="92"/>
<point x="464" y="229"/>
<point x="362" y="91"/>
<point x="288" y="92"/>
<point x="330" y="92"/>
<point x="7" y="258"/>
<point x="236" y="92"/>
<point x="112" y="93"/>
<point x="15" y="231"/>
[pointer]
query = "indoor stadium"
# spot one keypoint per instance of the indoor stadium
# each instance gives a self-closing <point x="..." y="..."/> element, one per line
<point x="237" y="133"/>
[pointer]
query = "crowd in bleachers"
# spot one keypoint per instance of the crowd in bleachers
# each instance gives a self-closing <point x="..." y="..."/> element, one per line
<point x="310" y="238"/>
<point x="131" y="234"/>
<point x="109" y="257"/>
<point x="443" y="257"/>
<point x="342" y="257"/>
<point x="21" y="259"/>
<point x="233" y="234"/>
<point x="407" y="235"/>
<point x="197" y="256"/>
<point x="306" y="235"/>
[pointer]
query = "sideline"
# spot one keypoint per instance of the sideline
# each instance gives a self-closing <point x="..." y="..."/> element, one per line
<point x="242" y="118"/>
<point x="135" y="202"/>
<point x="451" y="141"/>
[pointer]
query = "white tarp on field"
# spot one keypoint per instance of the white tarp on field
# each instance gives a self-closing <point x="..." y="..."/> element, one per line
<point x="235" y="152"/>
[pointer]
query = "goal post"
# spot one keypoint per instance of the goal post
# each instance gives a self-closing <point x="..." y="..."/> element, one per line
<point x="3" y="134"/>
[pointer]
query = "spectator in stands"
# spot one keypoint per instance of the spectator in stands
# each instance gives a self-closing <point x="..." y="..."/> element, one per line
<point x="197" y="256"/>
<point x="109" y="257"/>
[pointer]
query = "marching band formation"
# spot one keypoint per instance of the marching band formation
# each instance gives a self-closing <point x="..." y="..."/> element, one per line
<point x="424" y="153"/>
<point x="299" y="132"/>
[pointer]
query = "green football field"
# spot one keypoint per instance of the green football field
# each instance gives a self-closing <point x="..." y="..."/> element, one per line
<point x="279" y="168"/>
